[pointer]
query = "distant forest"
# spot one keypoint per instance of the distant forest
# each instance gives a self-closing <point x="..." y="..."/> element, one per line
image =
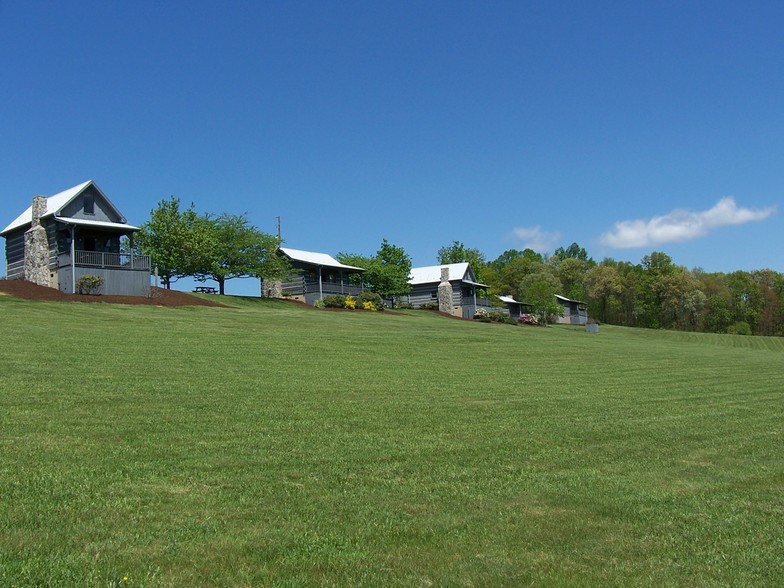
<point x="655" y="293"/>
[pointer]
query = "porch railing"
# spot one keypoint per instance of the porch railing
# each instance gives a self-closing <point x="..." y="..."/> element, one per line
<point x="100" y="259"/>
<point x="303" y="286"/>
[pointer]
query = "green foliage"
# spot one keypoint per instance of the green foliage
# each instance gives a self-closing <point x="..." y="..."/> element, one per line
<point x="539" y="290"/>
<point x="177" y="241"/>
<point x="89" y="284"/>
<point x="386" y="273"/>
<point x="506" y="273"/>
<point x="603" y="284"/>
<point x="370" y="298"/>
<point x="739" y="328"/>
<point x="238" y="249"/>
<point x="334" y="301"/>
<point x="574" y="251"/>
<point x="457" y="252"/>
<point x="364" y="301"/>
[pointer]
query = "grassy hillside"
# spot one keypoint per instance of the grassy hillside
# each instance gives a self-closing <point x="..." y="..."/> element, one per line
<point x="273" y="445"/>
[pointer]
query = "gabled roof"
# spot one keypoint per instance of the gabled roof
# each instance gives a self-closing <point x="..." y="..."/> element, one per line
<point x="55" y="204"/>
<point x="431" y="274"/>
<point x="511" y="300"/>
<point x="508" y="300"/>
<point x="565" y="299"/>
<point x="314" y="258"/>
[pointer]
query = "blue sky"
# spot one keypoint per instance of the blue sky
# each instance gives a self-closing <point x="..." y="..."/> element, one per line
<point x="625" y="127"/>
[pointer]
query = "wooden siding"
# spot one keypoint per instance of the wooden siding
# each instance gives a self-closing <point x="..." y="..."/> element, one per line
<point x="15" y="250"/>
<point x="423" y="294"/>
<point x="572" y="313"/>
<point x="102" y="210"/>
<point x="115" y="282"/>
<point x="14" y="255"/>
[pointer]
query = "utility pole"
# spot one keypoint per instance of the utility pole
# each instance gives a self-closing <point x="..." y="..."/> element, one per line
<point x="277" y="221"/>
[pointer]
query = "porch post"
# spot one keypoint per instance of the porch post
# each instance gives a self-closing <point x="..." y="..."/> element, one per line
<point x="73" y="259"/>
<point x="321" y="290"/>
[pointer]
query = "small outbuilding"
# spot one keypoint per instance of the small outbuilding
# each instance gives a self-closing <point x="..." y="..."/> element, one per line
<point x="515" y="308"/>
<point x="74" y="233"/>
<point x="573" y="312"/>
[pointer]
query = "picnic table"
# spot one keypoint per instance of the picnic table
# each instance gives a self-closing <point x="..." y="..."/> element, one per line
<point x="205" y="290"/>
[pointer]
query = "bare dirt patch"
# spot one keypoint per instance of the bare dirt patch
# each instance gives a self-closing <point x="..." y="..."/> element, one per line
<point x="157" y="297"/>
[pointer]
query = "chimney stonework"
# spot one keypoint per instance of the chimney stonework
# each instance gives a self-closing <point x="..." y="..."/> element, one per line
<point x="271" y="289"/>
<point x="36" y="259"/>
<point x="445" y="292"/>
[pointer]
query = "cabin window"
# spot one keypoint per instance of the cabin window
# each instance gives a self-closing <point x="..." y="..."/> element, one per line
<point x="434" y="294"/>
<point x="89" y="204"/>
<point x="63" y="241"/>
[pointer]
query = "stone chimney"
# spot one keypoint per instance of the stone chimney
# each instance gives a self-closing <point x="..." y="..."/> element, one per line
<point x="271" y="289"/>
<point x="36" y="259"/>
<point x="445" y="292"/>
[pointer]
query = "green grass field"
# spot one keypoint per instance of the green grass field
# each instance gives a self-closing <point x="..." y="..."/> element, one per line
<point x="270" y="445"/>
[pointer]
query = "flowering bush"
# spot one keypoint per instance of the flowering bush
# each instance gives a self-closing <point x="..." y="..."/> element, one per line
<point x="350" y="302"/>
<point x="527" y="319"/>
<point x="371" y="297"/>
<point x="368" y="305"/>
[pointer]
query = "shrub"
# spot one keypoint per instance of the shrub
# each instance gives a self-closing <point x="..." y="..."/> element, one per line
<point x="350" y="302"/>
<point x="319" y="303"/>
<point x="372" y="298"/>
<point x="429" y="306"/>
<point x="497" y="316"/>
<point x="739" y="328"/>
<point x="368" y="305"/>
<point x="334" y="301"/>
<point x="89" y="284"/>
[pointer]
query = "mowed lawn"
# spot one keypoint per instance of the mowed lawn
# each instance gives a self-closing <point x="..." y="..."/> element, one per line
<point x="271" y="445"/>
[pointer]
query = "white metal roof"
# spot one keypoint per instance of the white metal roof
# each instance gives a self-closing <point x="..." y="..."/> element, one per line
<point x="321" y="259"/>
<point x="565" y="299"/>
<point x="56" y="203"/>
<point x="508" y="300"/>
<point x="92" y="223"/>
<point x="432" y="274"/>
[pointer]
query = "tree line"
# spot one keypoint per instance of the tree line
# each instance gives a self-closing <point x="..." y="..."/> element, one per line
<point x="655" y="293"/>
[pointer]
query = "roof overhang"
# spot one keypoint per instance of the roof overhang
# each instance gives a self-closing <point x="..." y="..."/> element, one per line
<point x="96" y="224"/>
<point x="317" y="259"/>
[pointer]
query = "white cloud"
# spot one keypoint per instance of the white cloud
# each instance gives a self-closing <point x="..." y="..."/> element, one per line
<point x="681" y="225"/>
<point x="537" y="239"/>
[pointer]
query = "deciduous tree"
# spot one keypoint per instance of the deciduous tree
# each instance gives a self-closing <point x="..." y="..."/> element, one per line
<point x="238" y="249"/>
<point x="174" y="239"/>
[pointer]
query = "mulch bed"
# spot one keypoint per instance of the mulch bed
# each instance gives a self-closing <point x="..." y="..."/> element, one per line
<point x="158" y="296"/>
